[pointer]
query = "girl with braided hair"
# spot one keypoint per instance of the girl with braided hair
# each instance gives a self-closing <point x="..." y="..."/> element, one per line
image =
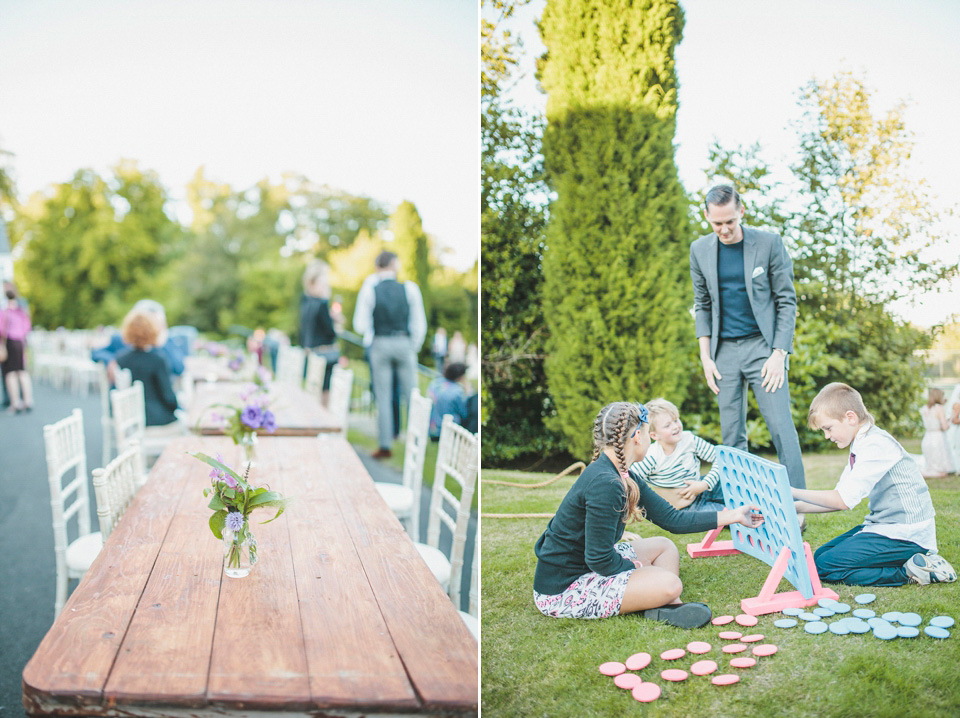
<point x="582" y="572"/>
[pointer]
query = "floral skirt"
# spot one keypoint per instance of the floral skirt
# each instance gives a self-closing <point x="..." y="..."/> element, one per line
<point x="591" y="595"/>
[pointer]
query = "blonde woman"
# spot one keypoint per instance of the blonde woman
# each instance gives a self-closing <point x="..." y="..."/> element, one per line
<point x="317" y="330"/>
<point x="934" y="445"/>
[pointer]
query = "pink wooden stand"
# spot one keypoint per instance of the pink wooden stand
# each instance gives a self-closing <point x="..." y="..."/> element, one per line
<point x="710" y="546"/>
<point x="768" y="601"/>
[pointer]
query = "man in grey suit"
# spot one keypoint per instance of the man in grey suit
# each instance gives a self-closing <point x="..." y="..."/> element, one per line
<point x="746" y="310"/>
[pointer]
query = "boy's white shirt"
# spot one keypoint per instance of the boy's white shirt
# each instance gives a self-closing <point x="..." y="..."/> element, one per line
<point x="875" y="456"/>
<point x="683" y="459"/>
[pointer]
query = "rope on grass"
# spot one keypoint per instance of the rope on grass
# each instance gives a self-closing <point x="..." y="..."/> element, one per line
<point x="572" y="467"/>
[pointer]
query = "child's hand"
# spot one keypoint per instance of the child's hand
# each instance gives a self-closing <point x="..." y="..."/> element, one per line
<point x="749" y="516"/>
<point x="692" y="489"/>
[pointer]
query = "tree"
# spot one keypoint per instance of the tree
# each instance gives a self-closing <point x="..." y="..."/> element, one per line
<point x="857" y="226"/>
<point x="617" y="289"/>
<point x="95" y="246"/>
<point x="515" y="399"/>
<point x="412" y="246"/>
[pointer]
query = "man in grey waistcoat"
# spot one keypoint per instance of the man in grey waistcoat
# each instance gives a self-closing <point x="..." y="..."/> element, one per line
<point x="392" y="313"/>
<point x="746" y="310"/>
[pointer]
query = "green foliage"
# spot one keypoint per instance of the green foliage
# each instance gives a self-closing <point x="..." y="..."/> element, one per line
<point x="616" y="282"/>
<point x="413" y="249"/>
<point x="514" y="397"/>
<point x="95" y="245"/>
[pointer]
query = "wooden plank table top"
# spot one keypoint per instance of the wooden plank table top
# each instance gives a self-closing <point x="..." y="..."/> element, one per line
<point x="298" y="413"/>
<point x="339" y="616"/>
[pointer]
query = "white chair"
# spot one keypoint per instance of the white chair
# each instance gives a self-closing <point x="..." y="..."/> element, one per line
<point x="122" y="380"/>
<point x="404" y="498"/>
<point x="472" y="617"/>
<point x="456" y="458"/>
<point x="115" y="486"/>
<point x="130" y="424"/>
<point x="290" y="362"/>
<point x="316" y="368"/>
<point x="341" y="386"/>
<point x="67" y="461"/>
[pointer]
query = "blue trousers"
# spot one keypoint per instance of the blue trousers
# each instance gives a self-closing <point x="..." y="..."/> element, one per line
<point x="864" y="559"/>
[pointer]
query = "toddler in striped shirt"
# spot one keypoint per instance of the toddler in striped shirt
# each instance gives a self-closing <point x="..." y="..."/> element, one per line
<point x="672" y="464"/>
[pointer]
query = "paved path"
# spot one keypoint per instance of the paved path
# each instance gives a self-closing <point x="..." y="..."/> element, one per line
<point x="27" y="566"/>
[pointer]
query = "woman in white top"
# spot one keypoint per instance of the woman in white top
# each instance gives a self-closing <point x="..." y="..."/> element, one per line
<point x="953" y="430"/>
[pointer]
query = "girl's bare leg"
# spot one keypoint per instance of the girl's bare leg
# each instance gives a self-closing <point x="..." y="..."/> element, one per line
<point x="658" y="582"/>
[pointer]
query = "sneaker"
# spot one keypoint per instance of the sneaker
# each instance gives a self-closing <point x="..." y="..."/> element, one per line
<point x="681" y="615"/>
<point x="929" y="568"/>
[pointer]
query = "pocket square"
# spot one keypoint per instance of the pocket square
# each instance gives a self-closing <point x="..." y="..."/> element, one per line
<point x="757" y="271"/>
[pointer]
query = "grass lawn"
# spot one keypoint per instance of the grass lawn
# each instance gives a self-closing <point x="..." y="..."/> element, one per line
<point x="537" y="666"/>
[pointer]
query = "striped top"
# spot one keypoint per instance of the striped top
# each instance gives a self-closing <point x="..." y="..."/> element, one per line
<point x="670" y="472"/>
<point x="899" y="500"/>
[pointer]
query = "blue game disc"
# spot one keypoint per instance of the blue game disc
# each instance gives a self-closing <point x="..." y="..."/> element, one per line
<point x="936" y="632"/>
<point x="858" y="626"/>
<point x="826" y="602"/>
<point x="809" y="616"/>
<point x="885" y="633"/>
<point x="785" y="623"/>
<point x="910" y="619"/>
<point x="792" y="611"/>
<point x="840" y="607"/>
<point x="908" y="632"/>
<point x="823" y="612"/>
<point x="863" y="613"/>
<point x="941" y="621"/>
<point x="865" y="598"/>
<point x="840" y="628"/>
<point x="877" y="621"/>
<point x="819" y="627"/>
<point x="892" y="616"/>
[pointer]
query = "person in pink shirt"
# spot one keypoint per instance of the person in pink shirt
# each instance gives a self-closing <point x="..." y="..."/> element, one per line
<point x="14" y="327"/>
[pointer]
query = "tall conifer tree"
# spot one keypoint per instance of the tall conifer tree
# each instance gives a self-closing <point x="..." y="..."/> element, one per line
<point x="616" y="272"/>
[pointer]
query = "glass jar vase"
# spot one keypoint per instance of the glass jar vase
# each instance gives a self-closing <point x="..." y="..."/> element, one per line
<point x="239" y="552"/>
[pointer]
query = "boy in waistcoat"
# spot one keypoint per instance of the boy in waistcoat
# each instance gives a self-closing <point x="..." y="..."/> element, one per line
<point x="897" y="542"/>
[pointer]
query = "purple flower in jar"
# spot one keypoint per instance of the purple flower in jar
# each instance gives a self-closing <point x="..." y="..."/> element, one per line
<point x="234" y="521"/>
<point x="252" y="416"/>
<point x="269" y="421"/>
<point x="229" y="481"/>
<point x="235" y="364"/>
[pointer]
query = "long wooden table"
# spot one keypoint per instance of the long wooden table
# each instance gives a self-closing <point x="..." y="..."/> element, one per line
<point x="339" y="617"/>
<point x="298" y="413"/>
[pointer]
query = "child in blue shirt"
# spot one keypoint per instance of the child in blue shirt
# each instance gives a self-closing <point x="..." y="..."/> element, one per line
<point x="449" y="397"/>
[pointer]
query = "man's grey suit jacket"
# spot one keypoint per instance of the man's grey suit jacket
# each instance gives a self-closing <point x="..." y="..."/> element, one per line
<point x="768" y="272"/>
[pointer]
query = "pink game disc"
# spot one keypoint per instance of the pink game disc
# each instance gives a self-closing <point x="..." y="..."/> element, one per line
<point x="673" y="674"/>
<point x="673" y="654"/>
<point x="741" y="662"/>
<point x="725" y="679"/>
<point x="721" y="620"/>
<point x="627" y="680"/>
<point x="752" y="638"/>
<point x="638" y="661"/>
<point x="745" y="619"/>
<point x="646" y="692"/>
<point x="612" y="668"/>
<point x="765" y="649"/>
<point x="703" y="668"/>
<point x="730" y="635"/>
<point x="733" y="648"/>
<point x="698" y="647"/>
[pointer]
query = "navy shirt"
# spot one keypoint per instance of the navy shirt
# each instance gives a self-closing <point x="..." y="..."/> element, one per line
<point x="736" y="314"/>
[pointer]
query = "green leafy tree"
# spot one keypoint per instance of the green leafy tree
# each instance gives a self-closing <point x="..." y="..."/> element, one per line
<point x="857" y="226"/>
<point x="412" y="246"/>
<point x="95" y="246"/>
<point x="617" y="288"/>
<point x="515" y="399"/>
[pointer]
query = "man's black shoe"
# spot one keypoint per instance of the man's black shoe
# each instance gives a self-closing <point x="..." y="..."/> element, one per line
<point x="682" y="615"/>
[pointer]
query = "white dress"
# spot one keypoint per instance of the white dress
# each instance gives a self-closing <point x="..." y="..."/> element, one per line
<point x="934" y="444"/>
<point x="953" y="430"/>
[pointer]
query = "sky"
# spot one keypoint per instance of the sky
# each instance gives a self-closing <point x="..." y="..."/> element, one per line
<point x="742" y="63"/>
<point x="372" y="97"/>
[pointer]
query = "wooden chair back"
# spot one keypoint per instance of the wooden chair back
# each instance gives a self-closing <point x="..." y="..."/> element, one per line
<point x="341" y="386"/>
<point x="316" y="368"/>
<point x="115" y="486"/>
